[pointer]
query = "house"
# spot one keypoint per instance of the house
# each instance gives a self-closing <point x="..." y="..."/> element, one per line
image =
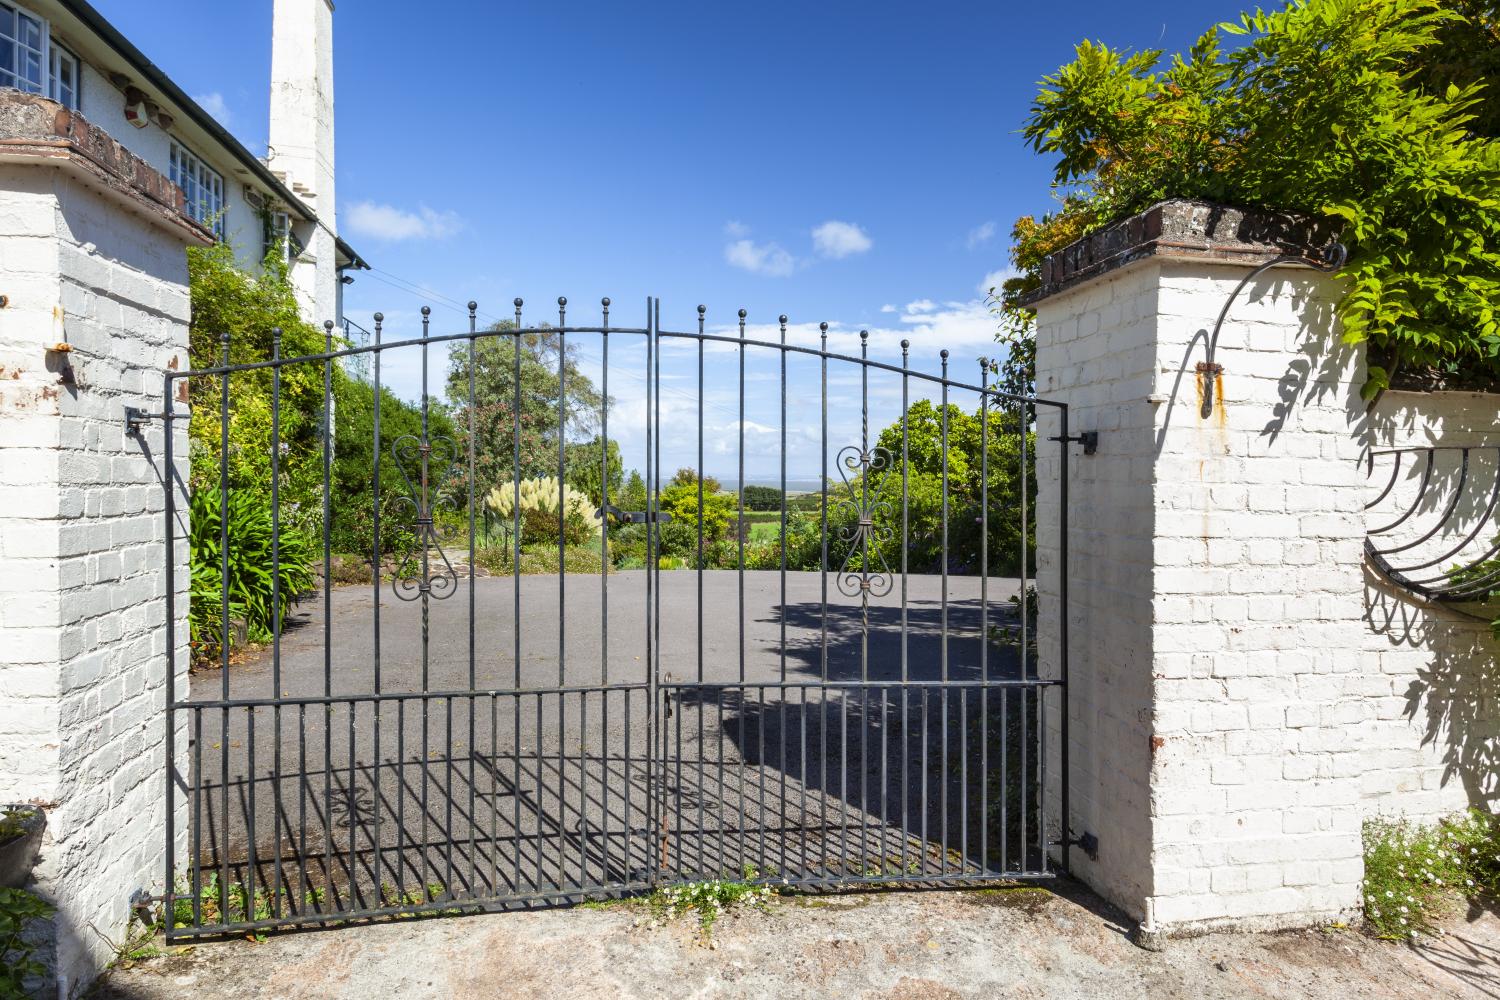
<point x="66" y="52"/>
<point x="108" y="172"/>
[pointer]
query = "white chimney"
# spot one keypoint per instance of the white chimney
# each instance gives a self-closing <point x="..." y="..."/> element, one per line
<point x="302" y="140"/>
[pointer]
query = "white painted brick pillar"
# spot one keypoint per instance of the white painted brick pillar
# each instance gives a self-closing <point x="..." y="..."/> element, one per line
<point x="92" y="253"/>
<point x="1216" y="585"/>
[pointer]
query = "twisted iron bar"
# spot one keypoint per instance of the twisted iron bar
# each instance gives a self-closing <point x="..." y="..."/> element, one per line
<point x="1465" y="572"/>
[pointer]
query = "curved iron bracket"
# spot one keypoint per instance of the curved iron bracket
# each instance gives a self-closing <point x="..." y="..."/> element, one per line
<point x="1332" y="257"/>
<point x="1456" y="559"/>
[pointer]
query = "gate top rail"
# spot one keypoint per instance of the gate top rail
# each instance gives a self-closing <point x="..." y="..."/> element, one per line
<point x="353" y="352"/>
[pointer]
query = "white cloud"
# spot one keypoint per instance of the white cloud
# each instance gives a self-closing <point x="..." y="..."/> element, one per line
<point x="387" y="222"/>
<point x="836" y="239"/>
<point x="981" y="234"/>
<point x="995" y="279"/>
<point x="920" y="306"/>
<point x="887" y="308"/>
<point x="760" y="258"/>
<point x="214" y="104"/>
<point x="736" y="230"/>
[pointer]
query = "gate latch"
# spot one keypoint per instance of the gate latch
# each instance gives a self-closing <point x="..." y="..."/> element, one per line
<point x="633" y="516"/>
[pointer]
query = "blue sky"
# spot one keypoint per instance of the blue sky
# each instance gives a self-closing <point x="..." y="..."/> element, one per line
<point x="854" y="163"/>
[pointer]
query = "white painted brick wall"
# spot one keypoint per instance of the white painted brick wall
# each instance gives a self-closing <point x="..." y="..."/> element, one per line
<point x="82" y="561"/>
<point x="1430" y="673"/>
<point x="1216" y="608"/>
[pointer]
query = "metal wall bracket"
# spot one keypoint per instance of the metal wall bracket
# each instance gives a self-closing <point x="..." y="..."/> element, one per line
<point x="137" y="418"/>
<point x="1089" y="440"/>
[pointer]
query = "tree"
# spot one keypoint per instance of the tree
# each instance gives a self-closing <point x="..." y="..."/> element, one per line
<point x="762" y="498"/>
<point x="227" y="302"/>
<point x="1317" y="113"/>
<point x="633" y="493"/>
<point x="586" y="469"/>
<point x="549" y="375"/>
<point x="352" y="486"/>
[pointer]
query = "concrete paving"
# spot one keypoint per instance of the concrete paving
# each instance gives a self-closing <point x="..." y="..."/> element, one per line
<point x="898" y="946"/>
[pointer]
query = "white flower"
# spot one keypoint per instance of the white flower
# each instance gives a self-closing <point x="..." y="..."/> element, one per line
<point x="1404" y="910"/>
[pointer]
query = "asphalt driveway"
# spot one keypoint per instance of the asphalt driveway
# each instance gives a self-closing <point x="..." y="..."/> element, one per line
<point x="439" y="765"/>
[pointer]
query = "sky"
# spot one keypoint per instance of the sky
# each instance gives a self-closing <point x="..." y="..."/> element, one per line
<point x="854" y="163"/>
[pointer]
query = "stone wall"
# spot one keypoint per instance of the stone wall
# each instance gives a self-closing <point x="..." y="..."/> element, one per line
<point x="82" y="528"/>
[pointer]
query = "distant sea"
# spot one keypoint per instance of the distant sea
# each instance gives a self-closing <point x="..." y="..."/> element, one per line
<point x="732" y="485"/>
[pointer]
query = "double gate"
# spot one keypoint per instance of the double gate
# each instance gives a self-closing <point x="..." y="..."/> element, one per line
<point x="840" y="690"/>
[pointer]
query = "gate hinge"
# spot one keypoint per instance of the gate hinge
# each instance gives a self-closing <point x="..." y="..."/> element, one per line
<point x="136" y="418"/>
<point x="1089" y="440"/>
<point x="1086" y="842"/>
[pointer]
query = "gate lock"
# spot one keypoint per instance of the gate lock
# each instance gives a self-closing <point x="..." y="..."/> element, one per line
<point x="633" y="516"/>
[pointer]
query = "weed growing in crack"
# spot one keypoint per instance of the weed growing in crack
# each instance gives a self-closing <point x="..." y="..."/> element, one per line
<point x="1413" y="872"/>
<point x="710" y="900"/>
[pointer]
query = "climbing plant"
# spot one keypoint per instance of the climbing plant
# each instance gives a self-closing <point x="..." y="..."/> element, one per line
<point x="1327" y="108"/>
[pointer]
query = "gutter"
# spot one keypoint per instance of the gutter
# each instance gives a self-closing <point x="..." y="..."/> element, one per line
<point x="153" y="76"/>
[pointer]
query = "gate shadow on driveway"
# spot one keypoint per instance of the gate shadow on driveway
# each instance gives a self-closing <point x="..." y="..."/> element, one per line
<point x="402" y="801"/>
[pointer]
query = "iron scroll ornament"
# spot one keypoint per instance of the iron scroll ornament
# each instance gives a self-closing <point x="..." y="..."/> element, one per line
<point x="416" y="573"/>
<point x="867" y="534"/>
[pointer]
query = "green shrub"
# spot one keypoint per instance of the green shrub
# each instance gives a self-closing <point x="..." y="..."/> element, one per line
<point x="541" y="500"/>
<point x="498" y="560"/>
<point x="18" y="908"/>
<point x="1413" y="872"/>
<point x="250" y="578"/>
<point x="679" y="498"/>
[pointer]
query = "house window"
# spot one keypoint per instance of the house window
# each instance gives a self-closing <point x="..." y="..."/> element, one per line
<point x="23" y="50"/>
<point x="31" y="61"/>
<point x="63" y="77"/>
<point x="203" y="186"/>
<point x="279" y="234"/>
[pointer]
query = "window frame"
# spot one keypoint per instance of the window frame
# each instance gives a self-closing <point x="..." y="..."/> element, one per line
<point x="200" y="183"/>
<point x="59" y="55"/>
<point x="18" y="47"/>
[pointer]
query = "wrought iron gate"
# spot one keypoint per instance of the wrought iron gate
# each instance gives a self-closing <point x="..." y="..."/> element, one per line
<point x="814" y="710"/>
